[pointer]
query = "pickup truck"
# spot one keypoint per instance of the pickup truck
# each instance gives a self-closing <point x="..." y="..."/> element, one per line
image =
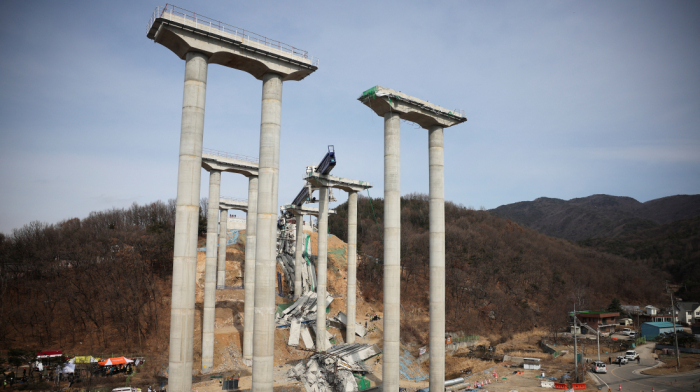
<point x="631" y="355"/>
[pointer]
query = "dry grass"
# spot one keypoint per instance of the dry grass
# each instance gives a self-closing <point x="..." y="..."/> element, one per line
<point x="526" y="354"/>
<point x="689" y="362"/>
<point x="523" y="341"/>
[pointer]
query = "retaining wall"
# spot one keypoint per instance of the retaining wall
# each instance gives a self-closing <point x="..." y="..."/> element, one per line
<point x="448" y="347"/>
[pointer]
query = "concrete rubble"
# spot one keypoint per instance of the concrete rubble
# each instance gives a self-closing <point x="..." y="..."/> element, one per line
<point x="359" y="328"/>
<point x="333" y="370"/>
<point x="299" y="316"/>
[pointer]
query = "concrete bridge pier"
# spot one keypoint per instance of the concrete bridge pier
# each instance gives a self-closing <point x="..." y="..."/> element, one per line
<point x="208" y="315"/>
<point x="321" y="268"/>
<point x="437" y="257"/>
<point x="391" y="104"/>
<point x="351" y="299"/>
<point x="266" y="243"/>
<point x="298" y="255"/>
<point x="325" y="181"/>
<point x="392" y="251"/>
<point x="249" y="277"/>
<point x="199" y="41"/>
<point x="221" y="264"/>
<point x="186" y="223"/>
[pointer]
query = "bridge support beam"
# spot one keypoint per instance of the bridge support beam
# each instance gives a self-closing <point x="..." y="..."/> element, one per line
<point x="186" y="223"/>
<point x="351" y="299"/>
<point x="392" y="250"/>
<point x="210" y="268"/>
<point x="321" y="268"/>
<point x="221" y="264"/>
<point x="249" y="277"/>
<point x="298" y="257"/>
<point x="266" y="241"/>
<point x="437" y="257"/>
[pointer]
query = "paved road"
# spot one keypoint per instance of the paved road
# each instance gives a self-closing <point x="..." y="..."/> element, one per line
<point x="630" y="378"/>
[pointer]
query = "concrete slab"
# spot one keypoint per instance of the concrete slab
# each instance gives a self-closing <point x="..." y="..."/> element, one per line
<point x="184" y="31"/>
<point x="303" y="210"/>
<point x="319" y="180"/>
<point x="233" y="204"/>
<point x="231" y="163"/>
<point x="383" y="100"/>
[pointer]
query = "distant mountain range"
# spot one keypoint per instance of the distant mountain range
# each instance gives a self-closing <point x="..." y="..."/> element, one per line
<point x="598" y="215"/>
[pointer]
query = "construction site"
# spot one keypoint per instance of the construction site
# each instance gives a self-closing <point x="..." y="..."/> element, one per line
<point x="299" y="366"/>
<point x="398" y="293"/>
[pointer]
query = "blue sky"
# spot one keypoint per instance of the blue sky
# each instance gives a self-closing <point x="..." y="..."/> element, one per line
<point x="564" y="99"/>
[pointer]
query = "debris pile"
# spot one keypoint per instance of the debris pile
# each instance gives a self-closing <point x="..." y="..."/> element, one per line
<point x="298" y="316"/>
<point x="360" y="329"/>
<point x="301" y="314"/>
<point x="333" y="370"/>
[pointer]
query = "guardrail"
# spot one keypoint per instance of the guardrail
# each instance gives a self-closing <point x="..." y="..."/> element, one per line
<point x="224" y="154"/>
<point x="233" y="199"/>
<point x="206" y="23"/>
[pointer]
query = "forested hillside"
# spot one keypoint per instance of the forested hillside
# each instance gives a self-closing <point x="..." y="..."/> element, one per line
<point x="598" y="215"/>
<point x="500" y="275"/>
<point x="102" y="281"/>
<point x="674" y="247"/>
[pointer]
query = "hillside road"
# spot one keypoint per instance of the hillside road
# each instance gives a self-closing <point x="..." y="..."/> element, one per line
<point x="631" y="379"/>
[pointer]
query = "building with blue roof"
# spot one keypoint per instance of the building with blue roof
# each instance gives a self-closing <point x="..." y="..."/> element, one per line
<point x="652" y="330"/>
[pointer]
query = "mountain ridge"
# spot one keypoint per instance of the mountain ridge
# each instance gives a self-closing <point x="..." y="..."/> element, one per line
<point x="598" y="215"/>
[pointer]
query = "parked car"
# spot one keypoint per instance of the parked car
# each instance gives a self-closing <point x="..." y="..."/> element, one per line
<point x="626" y="331"/>
<point x="621" y="360"/>
<point x="631" y="355"/>
<point x="599" y="367"/>
<point x="632" y="335"/>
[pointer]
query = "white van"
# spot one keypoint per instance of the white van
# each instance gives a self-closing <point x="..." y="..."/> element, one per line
<point x="599" y="367"/>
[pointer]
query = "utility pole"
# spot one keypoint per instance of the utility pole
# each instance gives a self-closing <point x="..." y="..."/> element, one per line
<point x="575" y="347"/>
<point x="673" y="321"/>
<point x="598" y="339"/>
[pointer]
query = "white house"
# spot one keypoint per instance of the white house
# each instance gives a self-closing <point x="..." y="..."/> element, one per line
<point x="650" y="310"/>
<point x="688" y="312"/>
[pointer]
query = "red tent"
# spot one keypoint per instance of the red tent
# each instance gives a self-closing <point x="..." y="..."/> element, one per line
<point x="48" y="354"/>
<point x="115" y="361"/>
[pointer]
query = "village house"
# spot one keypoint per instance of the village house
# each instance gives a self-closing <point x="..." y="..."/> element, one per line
<point x="606" y="321"/>
<point x="688" y="312"/>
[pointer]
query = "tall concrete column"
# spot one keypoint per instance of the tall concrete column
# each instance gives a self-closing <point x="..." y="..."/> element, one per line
<point x="186" y="223"/>
<point x="265" y="247"/>
<point x="298" y="257"/>
<point x="249" y="277"/>
<point x="352" y="267"/>
<point x="221" y="265"/>
<point x="321" y="267"/>
<point x="208" y="314"/>
<point x="392" y="250"/>
<point x="437" y="258"/>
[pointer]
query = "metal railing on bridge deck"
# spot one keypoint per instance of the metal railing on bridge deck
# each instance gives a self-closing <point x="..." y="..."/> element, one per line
<point x="210" y="25"/>
<point x="234" y="199"/>
<point x="224" y="154"/>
